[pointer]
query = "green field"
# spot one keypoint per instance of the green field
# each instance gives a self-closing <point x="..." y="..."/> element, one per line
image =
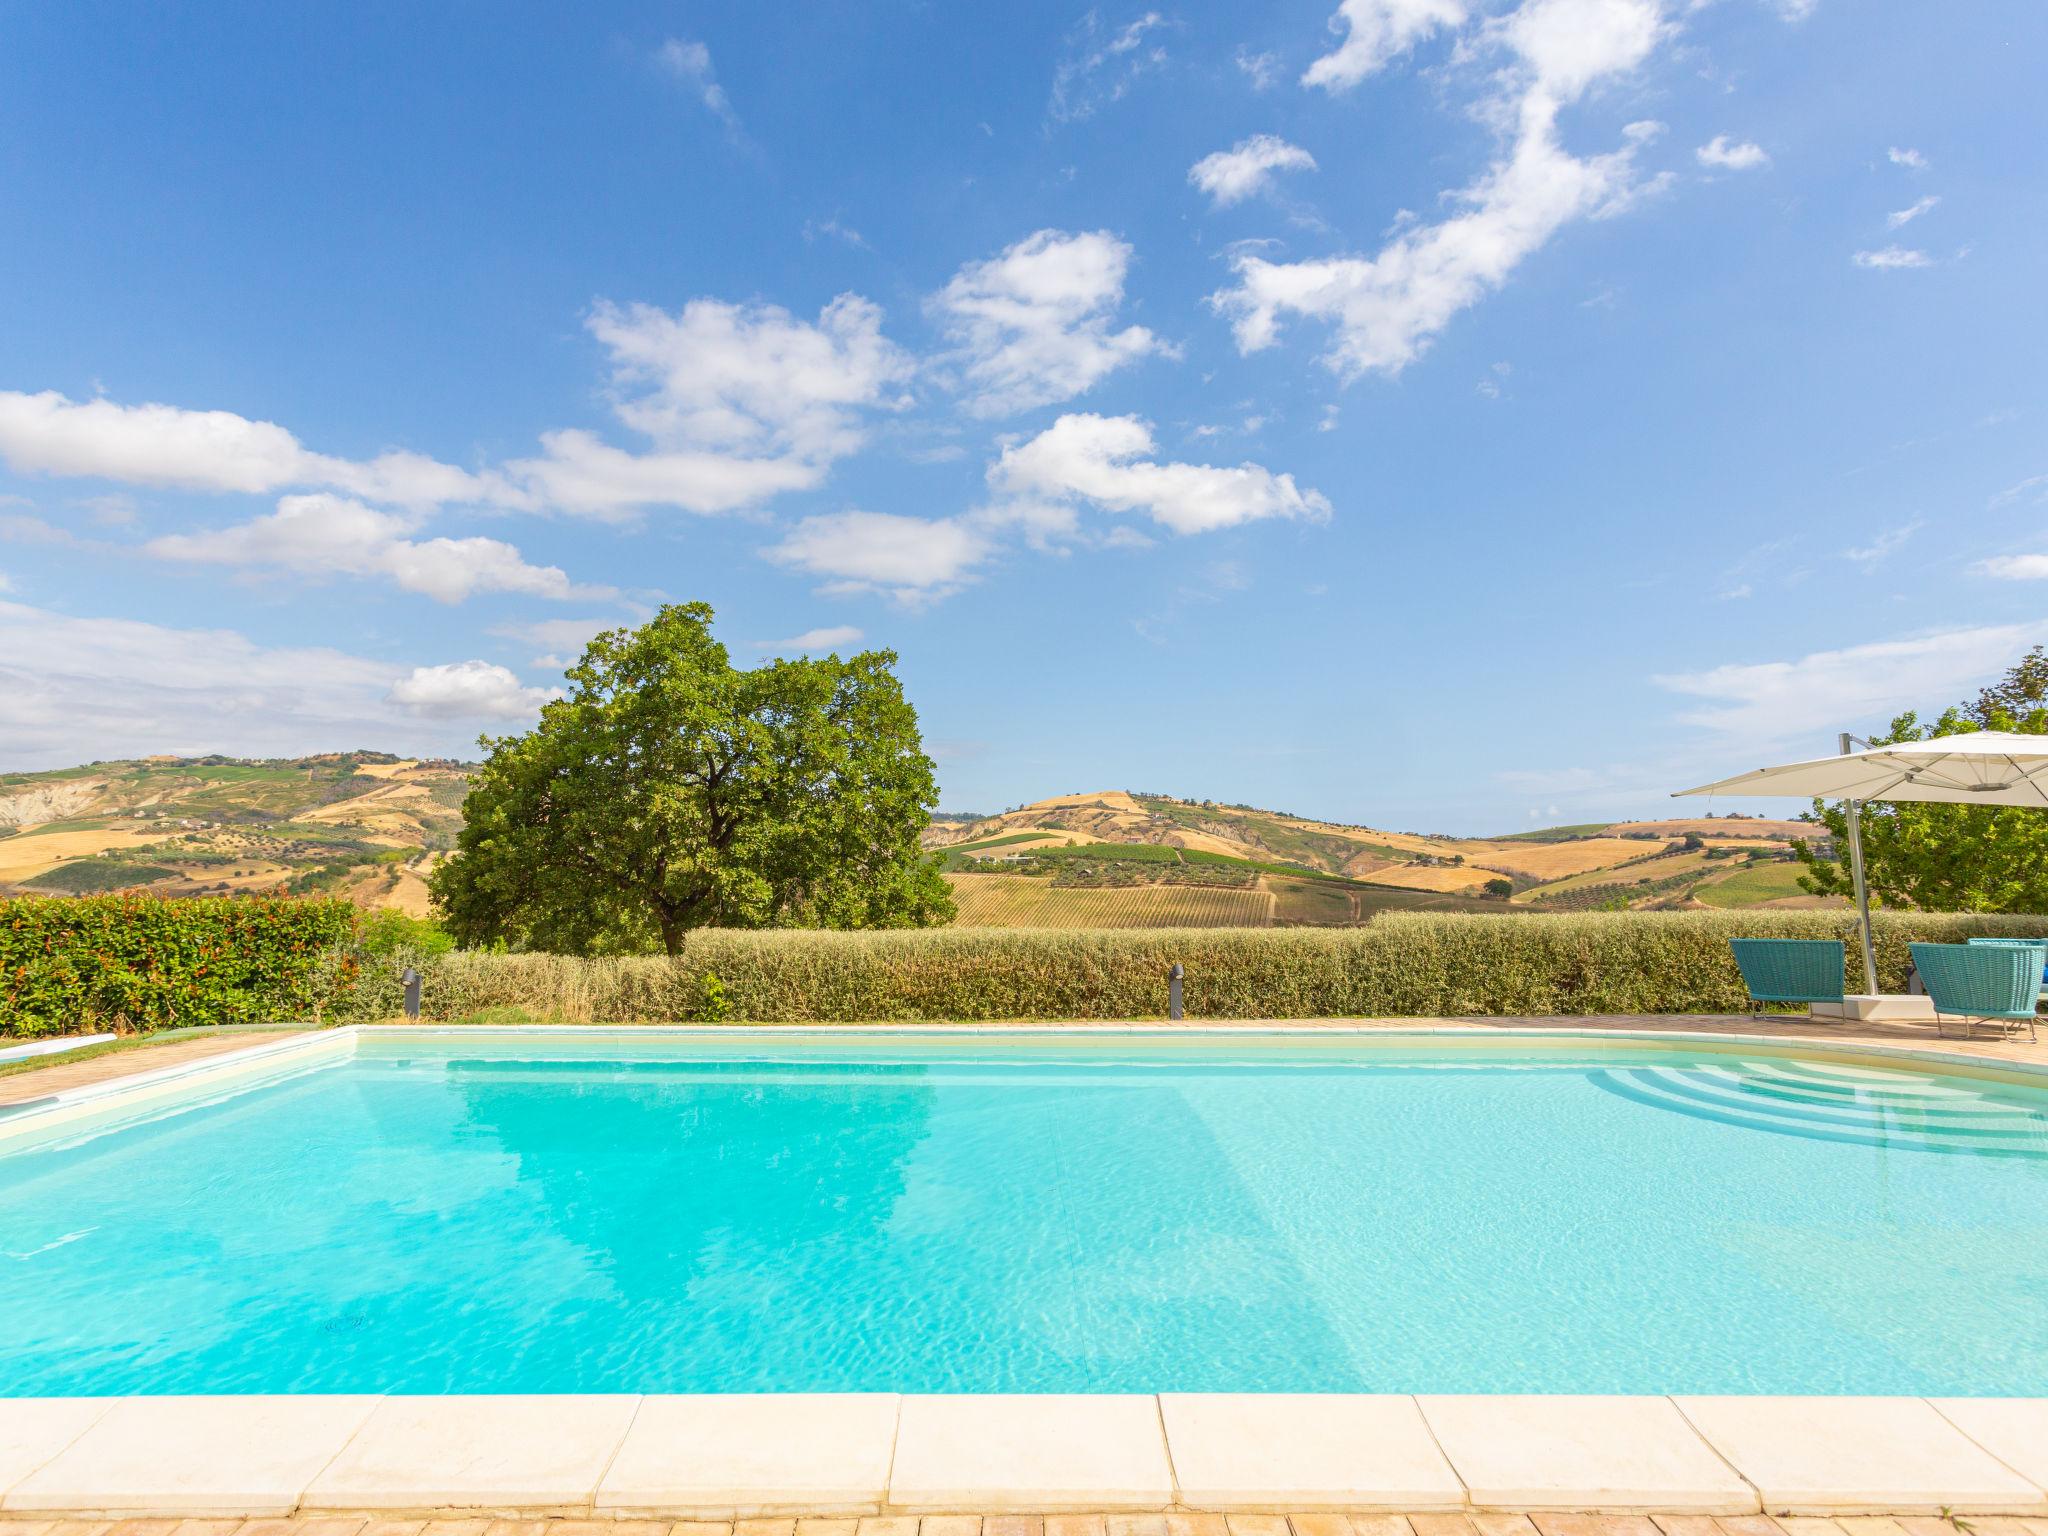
<point x="1758" y="883"/>
<point x="88" y="877"/>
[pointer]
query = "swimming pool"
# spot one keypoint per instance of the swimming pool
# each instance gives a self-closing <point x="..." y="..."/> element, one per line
<point x="591" y="1211"/>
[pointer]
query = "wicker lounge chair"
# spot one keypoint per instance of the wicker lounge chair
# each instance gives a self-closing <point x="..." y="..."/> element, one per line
<point x="1999" y="983"/>
<point x="1789" y="971"/>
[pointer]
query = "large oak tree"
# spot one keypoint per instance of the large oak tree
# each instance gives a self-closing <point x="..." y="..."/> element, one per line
<point x="672" y="790"/>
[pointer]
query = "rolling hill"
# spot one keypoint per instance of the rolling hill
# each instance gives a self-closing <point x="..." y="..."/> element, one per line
<point x="362" y="824"/>
<point x="1120" y="859"/>
<point x="371" y="826"/>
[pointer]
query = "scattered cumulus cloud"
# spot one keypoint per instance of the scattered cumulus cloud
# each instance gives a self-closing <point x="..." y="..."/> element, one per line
<point x="73" y="688"/>
<point x="1892" y="258"/>
<point x="1722" y="153"/>
<point x="560" y="641"/>
<point x="320" y="534"/>
<point x="1818" y="694"/>
<point x="911" y="559"/>
<point x="1031" y="326"/>
<point x="1375" y="33"/>
<point x="741" y="402"/>
<point x="1231" y="175"/>
<point x="1110" y="461"/>
<point x="1911" y="159"/>
<point x="1101" y="64"/>
<point x="1884" y="546"/>
<point x="1261" y="69"/>
<point x="2015" y="567"/>
<point x="2033" y="488"/>
<point x="834" y="229"/>
<point x="1385" y="310"/>
<point x="178" y="449"/>
<point x="1904" y="216"/>
<point x="468" y="690"/>
<point x="832" y="637"/>
<point x="690" y="62"/>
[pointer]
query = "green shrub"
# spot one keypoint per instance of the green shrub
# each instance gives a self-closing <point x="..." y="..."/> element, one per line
<point x="388" y="933"/>
<point x="142" y="962"/>
<point x="1409" y="965"/>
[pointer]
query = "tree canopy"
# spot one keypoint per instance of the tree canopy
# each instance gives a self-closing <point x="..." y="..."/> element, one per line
<point x="1950" y="858"/>
<point x="671" y="790"/>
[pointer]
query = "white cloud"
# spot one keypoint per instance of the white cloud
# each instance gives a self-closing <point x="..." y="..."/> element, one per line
<point x="2034" y="488"/>
<point x="1859" y="686"/>
<point x="1100" y="65"/>
<point x="909" y="558"/>
<point x="1893" y="258"/>
<point x="468" y="690"/>
<point x="321" y="535"/>
<point x="1911" y="159"/>
<point x="73" y="689"/>
<point x="1905" y="216"/>
<point x="1234" y="174"/>
<point x="560" y="640"/>
<point x="1376" y="32"/>
<point x="1031" y="326"/>
<point x="751" y="378"/>
<point x="1107" y="460"/>
<point x="1885" y="545"/>
<point x="690" y="62"/>
<point x="833" y="637"/>
<point x="1387" y="309"/>
<point x="1725" y="154"/>
<point x="1261" y="69"/>
<point x="166" y="445"/>
<point x="2015" y="567"/>
<point x="741" y="403"/>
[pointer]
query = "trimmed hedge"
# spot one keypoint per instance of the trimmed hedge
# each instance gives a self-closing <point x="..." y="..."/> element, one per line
<point x="1398" y="966"/>
<point x="145" y="963"/>
<point x="140" y="962"/>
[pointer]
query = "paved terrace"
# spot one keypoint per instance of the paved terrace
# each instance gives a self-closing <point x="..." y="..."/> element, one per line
<point x="1301" y="1524"/>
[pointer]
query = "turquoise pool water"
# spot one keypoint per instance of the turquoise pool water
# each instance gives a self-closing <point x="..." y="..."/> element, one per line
<point x="505" y="1214"/>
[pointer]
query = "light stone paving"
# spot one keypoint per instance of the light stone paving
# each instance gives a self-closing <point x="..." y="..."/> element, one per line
<point x="1265" y="1460"/>
<point x="1097" y="1523"/>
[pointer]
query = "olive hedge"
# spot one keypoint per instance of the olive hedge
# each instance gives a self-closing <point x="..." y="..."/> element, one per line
<point x="1401" y="965"/>
<point x="139" y="962"/>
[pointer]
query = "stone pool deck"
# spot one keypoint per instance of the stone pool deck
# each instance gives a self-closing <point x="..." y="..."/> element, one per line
<point x="737" y="1457"/>
<point x="1300" y="1523"/>
<point x="60" y="1076"/>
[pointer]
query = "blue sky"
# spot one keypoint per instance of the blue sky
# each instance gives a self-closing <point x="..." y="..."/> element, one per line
<point x="1440" y="414"/>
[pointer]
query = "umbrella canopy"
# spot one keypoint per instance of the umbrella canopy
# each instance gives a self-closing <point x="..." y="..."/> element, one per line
<point x="1978" y="768"/>
<point x="1975" y="768"/>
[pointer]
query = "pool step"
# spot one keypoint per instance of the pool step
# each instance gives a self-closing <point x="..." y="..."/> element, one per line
<point x="1831" y="1103"/>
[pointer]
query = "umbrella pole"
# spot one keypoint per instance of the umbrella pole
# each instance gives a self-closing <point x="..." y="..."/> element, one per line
<point x="1856" y="874"/>
<point x="1862" y="895"/>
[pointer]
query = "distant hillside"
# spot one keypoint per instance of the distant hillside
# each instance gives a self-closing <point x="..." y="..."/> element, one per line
<point x="370" y="826"/>
<point x="365" y="825"/>
<point x="1129" y="859"/>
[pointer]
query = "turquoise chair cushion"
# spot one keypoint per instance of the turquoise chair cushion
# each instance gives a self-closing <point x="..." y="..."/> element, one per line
<point x="1791" y="970"/>
<point x="1982" y="981"/>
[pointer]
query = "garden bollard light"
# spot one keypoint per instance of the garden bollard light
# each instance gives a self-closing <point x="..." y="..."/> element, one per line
<point x="411" y="978"/>
<point x="1173" y="1008"/>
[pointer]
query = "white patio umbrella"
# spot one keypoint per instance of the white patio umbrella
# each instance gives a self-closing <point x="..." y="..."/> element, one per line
<point x="1976" y="768"/>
